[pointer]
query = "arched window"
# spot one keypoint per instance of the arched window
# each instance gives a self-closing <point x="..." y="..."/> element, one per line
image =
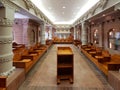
<point x="96" y="36"/>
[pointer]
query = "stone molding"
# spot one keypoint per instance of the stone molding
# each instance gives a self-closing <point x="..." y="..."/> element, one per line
<point x="8" y="3"/>
<point x="101" y="5"/>
<point x="4" y="59"/>
<point x="29" y="5"/>
<point x="8" y="72"/>
<point x="7" y="40"/>
<point x="21" y="21"/>
<point x="38" y="13"/>
<point x="6" y="22"/>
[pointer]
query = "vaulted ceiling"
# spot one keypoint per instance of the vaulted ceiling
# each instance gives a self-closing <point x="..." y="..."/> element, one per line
<point x="64" y="11"/>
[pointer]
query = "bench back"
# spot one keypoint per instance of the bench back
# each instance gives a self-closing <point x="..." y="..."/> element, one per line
<point x="115" y="58"/>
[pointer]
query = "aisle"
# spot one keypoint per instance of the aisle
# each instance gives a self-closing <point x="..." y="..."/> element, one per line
<point x="43" y="75"/>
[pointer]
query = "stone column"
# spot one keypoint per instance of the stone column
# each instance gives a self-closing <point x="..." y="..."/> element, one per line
<point x="6" y="37"/>
<point x="50" y="32"/>
<point x="28" y="36"/>
<point x="39" y="29"/>
<point x="74" y="33"/>
<point x="84" y="34"/>
<point x="42" y="39"/>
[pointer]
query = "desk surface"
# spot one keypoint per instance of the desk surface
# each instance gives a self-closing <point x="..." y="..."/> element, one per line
<point x="99" y="57"/>
<point x="64" y="50"/>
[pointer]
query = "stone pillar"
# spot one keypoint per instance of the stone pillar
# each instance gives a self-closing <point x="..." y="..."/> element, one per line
<point x="50" y="32"/>
<point x="84" y="34"/>
<point x="39" y="29"/>
<point x="28" y="36"/>
<point x="74" y="33"/>
<point x="6" y="37"/>
<point x="42" y="39"/>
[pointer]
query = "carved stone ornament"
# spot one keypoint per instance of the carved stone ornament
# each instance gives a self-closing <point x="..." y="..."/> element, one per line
<point x="6" y="22"/>
<point x="9" y="3"/>
<point x="29" y="4"/>
<point x="8" y="72"/>
<point x="103" y="3"/>
<point x="6" y="40"/>
<point x="4" y="59"/>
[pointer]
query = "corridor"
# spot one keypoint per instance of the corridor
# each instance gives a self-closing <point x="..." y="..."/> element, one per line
<point x="43" y="74"/>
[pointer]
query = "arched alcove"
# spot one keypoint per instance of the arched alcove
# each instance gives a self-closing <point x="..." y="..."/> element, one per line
<point x="96" y="36"/>
<point x="111" y="38"/>
<point x="114" y="39"/>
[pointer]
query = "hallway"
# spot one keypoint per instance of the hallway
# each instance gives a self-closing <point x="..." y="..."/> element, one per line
<point x="43" y="74"/>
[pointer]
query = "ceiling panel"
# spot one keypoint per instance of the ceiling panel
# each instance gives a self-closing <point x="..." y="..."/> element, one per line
<point x="62" y="11"/>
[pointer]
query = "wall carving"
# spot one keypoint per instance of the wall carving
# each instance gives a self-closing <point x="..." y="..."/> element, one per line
<point x="103" y="3"/>
<point x="29" y="5"/>
<point x="100" y="5"/>
<point x="8" y="3"/>
<point x="38" y="13"/>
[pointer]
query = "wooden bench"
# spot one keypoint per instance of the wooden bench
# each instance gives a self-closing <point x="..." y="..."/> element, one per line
<point x="16" y="45"/>
<point x="24" y="58"/>
<point x="113" y="64"/>
<point x="103" y="61"/>
<point x="22" y="61"/>
<point x="105" y="56"/>
<point x="13" y="81"/>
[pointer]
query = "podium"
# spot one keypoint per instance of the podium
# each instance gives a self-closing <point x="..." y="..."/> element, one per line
<point x="65" y="64"/>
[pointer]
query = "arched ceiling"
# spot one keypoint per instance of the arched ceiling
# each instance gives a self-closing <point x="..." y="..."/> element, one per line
<point x="64" y="11"/>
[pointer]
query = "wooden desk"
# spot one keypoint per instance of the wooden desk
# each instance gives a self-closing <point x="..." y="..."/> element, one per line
<point x="92" y="53"/>
<point x="87" y="49"/>
<point x="100" y="58"/>
<point x="64" y="64"/>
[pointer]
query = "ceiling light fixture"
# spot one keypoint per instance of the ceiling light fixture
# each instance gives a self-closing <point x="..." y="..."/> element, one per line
<point x="63" y="7"/>
<point x="103" y="15"/>
<point x="63" y="13"/>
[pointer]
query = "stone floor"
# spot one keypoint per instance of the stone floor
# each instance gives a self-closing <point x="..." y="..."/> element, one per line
<point x="43" y="74"/>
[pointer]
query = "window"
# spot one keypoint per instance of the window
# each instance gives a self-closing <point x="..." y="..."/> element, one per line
<point x="96" y="37"/>
<point x="113" y="39"/>
<point x="117" y="40"/>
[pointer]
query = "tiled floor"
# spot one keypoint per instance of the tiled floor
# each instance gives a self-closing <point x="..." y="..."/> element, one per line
<point x="43" y="74"/>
